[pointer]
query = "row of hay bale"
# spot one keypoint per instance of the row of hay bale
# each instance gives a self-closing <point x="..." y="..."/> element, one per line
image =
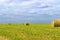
<point x="25" y="24"/>
<point x="55" y="23"/>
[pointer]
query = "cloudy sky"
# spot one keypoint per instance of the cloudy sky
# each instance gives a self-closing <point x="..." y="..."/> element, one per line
<point x="34" y="11"/>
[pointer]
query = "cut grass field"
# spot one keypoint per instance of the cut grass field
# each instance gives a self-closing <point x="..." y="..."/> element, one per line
<point x="31" y="32"/>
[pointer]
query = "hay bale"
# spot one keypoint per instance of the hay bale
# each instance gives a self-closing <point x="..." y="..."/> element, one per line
<point x="55" y="23"/>
<point x="26" y="24"/>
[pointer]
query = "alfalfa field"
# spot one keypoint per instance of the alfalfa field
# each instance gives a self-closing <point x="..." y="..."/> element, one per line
<point x="31" y="32"/>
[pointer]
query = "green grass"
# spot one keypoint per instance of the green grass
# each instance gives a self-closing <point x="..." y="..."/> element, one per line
<point x="31" y="32"/>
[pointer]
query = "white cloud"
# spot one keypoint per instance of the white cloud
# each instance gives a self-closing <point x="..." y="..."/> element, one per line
<point x="4" y="1"/>
<point x="32" y="6"/>
<point x="29" y="10"/>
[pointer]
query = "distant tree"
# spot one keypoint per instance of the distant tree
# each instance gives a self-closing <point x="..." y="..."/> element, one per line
<point x="9" y="23"/>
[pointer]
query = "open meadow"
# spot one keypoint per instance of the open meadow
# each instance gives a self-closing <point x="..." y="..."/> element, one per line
<point x="31" y="32"/>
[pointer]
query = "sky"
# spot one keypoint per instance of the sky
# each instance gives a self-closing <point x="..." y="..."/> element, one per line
<point x="33" y="11"/>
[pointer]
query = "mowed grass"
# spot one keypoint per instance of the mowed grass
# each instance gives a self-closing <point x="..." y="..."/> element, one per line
<point x="31" y="32"/>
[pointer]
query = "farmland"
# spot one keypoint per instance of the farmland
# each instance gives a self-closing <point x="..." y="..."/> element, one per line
<point x="31" y="32"/>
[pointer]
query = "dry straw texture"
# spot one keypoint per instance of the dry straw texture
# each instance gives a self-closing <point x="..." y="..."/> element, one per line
<point x="55" y="23"/>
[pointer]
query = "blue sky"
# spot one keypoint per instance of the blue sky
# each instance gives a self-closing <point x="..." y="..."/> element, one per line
<point x="34" y="11"/>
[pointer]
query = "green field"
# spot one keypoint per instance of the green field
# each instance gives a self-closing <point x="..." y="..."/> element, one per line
<point x="31" y="32"/>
